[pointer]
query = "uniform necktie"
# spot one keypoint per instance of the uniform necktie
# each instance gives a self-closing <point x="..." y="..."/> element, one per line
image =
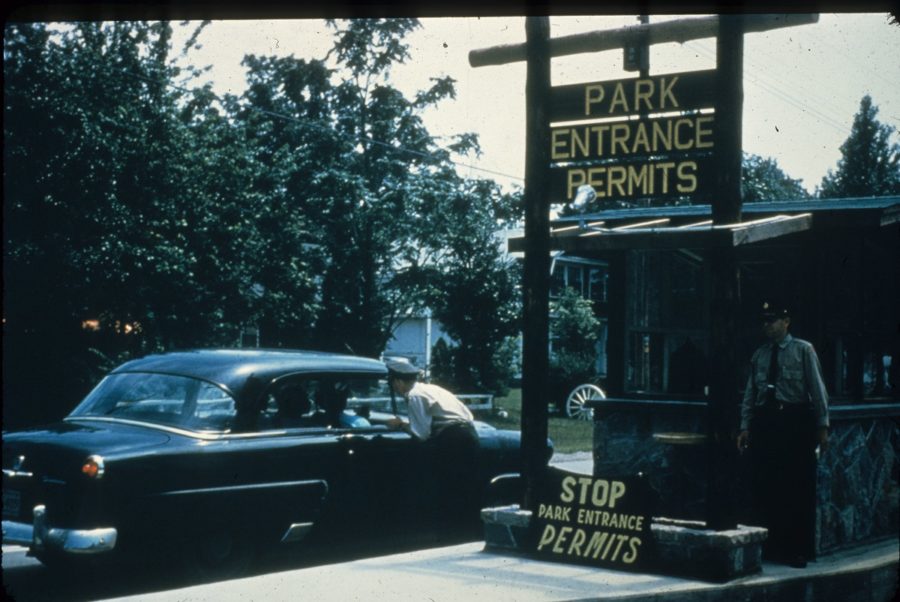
<point x="773" y="373"/>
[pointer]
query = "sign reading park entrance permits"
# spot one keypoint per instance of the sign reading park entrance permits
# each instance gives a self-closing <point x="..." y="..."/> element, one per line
<point x="648" y="138"/>
<point x="593" y="520"/>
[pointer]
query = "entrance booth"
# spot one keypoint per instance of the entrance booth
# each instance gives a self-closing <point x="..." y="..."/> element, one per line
<point x="837" y="262"/>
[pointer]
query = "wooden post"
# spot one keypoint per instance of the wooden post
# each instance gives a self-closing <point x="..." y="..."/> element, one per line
<point x="536" y="278"/>
<point x="725" y="293"/>
<point x="724" y="279"/>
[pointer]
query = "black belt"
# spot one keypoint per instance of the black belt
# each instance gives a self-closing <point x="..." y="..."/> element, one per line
<point x="440" y="425"/>
<point x="780" y="405"/>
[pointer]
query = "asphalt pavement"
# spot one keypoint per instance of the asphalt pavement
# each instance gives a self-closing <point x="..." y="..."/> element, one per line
<point x="466" y="572"/>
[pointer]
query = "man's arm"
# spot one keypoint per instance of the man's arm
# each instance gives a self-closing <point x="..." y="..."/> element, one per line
<point x="747" y="407"/>
<point x="818" y="394"/>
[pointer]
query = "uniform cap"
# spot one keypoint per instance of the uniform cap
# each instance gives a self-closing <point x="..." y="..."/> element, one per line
<point x="775" y="310"/>
<point x="402" y="369"/>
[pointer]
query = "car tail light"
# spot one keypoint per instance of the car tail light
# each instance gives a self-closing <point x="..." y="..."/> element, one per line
<point x="93" y="467"/>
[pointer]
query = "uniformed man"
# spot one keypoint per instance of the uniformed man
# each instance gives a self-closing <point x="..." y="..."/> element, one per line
<point x="440" y="419"/>
<point x="784" y="416"/>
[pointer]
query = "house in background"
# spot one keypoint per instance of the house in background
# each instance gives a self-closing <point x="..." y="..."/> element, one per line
<point x="414" y="337"/>
<point x="416" y="334"/>
<point x="590" y="278"/>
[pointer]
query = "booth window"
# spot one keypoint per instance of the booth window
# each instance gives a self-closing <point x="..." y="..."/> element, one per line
<point x="666" y="338"/>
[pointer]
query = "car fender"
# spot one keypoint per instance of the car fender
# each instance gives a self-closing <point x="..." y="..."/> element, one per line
<point x="284" y="510"/>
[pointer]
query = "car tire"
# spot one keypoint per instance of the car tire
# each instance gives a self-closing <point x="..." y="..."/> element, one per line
<point x="217" y="553"/>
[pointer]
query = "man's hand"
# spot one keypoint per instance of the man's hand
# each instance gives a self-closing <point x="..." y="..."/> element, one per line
<point x="396" y="423"/>
<point x="743" y="440"/>
<point x="823" y="439"/>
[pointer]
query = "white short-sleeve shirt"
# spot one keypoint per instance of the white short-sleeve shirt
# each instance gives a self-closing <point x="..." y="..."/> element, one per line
<point x="427" y="402"/>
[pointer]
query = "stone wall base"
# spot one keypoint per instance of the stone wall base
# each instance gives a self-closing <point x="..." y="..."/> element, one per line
<point x="689" y="549"/>
<point x="683" y="548"/>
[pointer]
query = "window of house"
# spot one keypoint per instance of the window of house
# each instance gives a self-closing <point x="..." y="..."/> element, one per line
<point x="598" y="279"/>
<point x="590" y="280"/>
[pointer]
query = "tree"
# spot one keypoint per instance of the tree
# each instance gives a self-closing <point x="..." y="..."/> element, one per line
<point x="134" y="217"/>
<point x="89" y="185"/>
<point x="140" y="216"/>
<point x="870" y="161"/>
<point x="468" y="281"/>
<point x="350" y="152"/>
<point x="574" y="334"/>
<point x="763" y="180"/>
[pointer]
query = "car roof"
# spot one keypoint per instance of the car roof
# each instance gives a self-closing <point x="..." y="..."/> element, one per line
<point x="231" y="368"/>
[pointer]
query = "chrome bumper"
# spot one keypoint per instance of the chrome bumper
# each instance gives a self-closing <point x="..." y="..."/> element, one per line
<point x="39" y="537"/>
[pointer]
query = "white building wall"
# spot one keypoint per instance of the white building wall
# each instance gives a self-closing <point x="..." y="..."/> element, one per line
<point x="413" y="339"/>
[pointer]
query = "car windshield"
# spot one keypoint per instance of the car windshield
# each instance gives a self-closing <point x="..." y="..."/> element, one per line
<point x="163" y="399"/>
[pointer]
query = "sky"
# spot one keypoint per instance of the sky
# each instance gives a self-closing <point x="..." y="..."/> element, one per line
<point x="802" y="85"/>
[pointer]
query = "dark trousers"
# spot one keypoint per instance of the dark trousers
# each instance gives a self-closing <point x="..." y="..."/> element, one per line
<point x="783" y="443"/>
<point x="456" y="449"/>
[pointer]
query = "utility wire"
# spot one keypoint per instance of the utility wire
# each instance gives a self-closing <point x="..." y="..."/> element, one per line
<point x="776" y="91"/>
<point x="308" y="124"/>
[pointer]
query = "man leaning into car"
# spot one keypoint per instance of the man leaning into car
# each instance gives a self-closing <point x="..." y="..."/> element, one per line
<point x="438" y="417"/>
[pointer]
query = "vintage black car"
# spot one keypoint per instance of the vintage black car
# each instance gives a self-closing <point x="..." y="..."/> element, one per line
<point x="213" y="455"/>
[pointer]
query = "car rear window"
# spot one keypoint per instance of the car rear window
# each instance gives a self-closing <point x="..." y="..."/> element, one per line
<point x="163" y="399"/>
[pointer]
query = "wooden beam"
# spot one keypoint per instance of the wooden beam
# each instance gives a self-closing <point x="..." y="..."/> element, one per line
<point x="647" y="224"/>
<point x="772" y="229"/>
<point x="706" y="222"/>
<point x="678" y="30"/>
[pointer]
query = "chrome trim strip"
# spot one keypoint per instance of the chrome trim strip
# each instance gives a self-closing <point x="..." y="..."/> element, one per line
<point x="296" y="532"/>
<point x="257" y="486"/>
<point x="205" y="436"/>
<point x="153" y="425"/>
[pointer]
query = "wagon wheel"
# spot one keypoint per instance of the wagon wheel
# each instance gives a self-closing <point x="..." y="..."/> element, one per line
<point x="575" y="404"/>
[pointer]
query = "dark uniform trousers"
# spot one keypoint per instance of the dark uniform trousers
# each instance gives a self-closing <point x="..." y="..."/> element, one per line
<point x="455" y="453"/>
<point x="784" y="477"/>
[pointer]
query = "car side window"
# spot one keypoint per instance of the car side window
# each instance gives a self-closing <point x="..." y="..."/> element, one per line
<point x="214" y="410"/>
<point x="317" y="401"/>
<point x="289" y="404"/>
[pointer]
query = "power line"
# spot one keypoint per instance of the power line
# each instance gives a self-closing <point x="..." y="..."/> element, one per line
<point x="756" y="79"/>
<point x="308" y="124"/>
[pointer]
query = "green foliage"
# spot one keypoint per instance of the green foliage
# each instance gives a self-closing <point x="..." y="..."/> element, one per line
<point x="167" y="217"/>
<point x="465" y="278"/>
<point x="763" y="180"/>
<point x="442" y="372"/>
<point x="132" y="203"/>
<point x="574" y="333"/>
<point x="870" y="160"/>
<point x="352" y="163"/>
<point x="568" y="435"/>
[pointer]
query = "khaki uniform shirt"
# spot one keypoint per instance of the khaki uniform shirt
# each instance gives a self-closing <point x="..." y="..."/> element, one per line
<point x="429" y="405"/>
<point x="799" y="379"/>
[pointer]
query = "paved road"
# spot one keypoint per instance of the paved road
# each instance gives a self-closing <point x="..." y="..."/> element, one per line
<point x="581" y="462"/>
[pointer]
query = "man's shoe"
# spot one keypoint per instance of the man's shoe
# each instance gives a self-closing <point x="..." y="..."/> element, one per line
<point x="797" y="562"/>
